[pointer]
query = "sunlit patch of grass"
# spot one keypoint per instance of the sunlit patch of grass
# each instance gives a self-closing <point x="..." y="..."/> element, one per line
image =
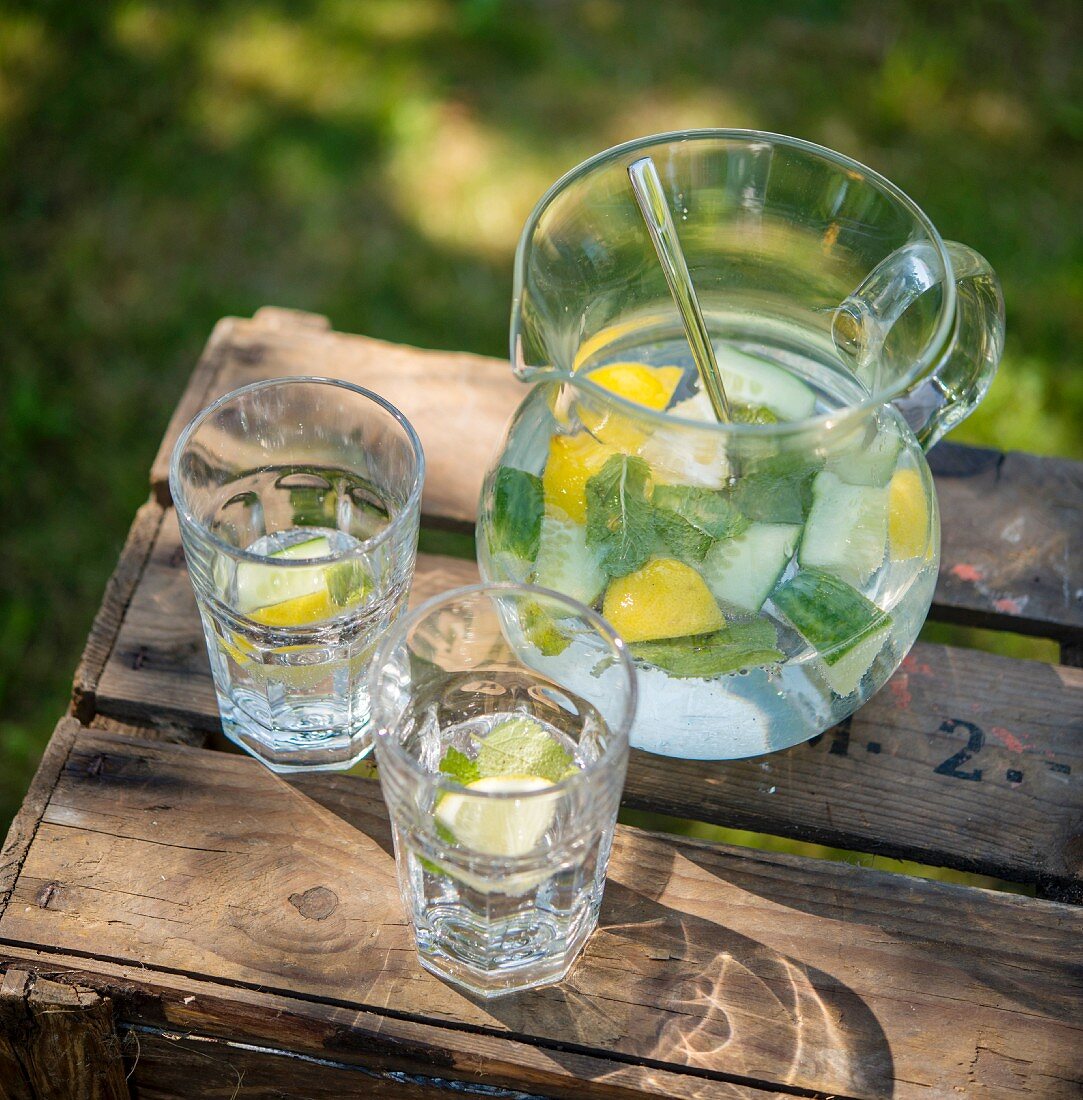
<point x="146" y="29"/>
<point x="1022" y="412"/>
<point x="1002" y="642"/>
<point x="24" y="52"/>
<point x="657" y="111"/>
<point x="462" y="183"/>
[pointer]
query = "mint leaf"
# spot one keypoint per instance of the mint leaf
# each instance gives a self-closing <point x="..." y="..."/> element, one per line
<point x="518" y="507"/>
<point x="620" y="522"/>
<point x="347" y="582"/>
<point x="751" y="414"/>
<point x="689" y="520"/>
<point x="540" y="628"/>
<point x="743" y="645"/>
<point x="460" y="767"/>
<point x="521" y="746"/>
<point x="777" y="489"/>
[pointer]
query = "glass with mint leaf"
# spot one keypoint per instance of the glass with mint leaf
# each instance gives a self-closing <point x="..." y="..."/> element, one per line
<point x="502" y="772"/>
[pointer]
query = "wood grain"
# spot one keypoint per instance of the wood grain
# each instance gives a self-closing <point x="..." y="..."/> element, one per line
<point x="458" y="403"/>
<point x="802" y="973"/>
<point x="57" y="1042"/>
<point x="1012" y="552"/>
<point x="873" y="785"/>
<point x="107" y="621"/>
<point x="1012" y="555"/>
<point x="224" y="1019"/>
<point x="26" y="821"/>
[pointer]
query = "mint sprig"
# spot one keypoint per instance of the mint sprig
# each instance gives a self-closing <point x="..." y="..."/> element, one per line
<point x="517" y="510"/>
<point x="521" y="746"/>
<point x="742" y="645"/>
<point x="620" y="521"/>
<point x="689" y="520"/>
<point x="460" y="766"/>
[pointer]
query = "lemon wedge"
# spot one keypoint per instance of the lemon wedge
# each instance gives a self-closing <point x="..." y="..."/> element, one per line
<point x="652" y="387"/>
<point x="664" y="599"/>
<point x="908" y="515"/>
<point x="573" y="461"/>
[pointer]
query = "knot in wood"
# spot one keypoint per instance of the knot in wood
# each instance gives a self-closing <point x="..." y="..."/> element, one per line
<point x="316" y="903"/>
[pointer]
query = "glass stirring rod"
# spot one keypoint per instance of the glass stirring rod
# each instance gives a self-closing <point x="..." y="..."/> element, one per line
<point x="652" y="204"/>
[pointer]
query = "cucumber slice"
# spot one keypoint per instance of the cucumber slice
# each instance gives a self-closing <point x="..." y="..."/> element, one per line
<point x="261" y="585"/>
<point x="871" y="462"/>
<point x="846" y="532"/>
<point x="564" y="561"/>
<point x="846" y="630"/>
<point x="743" y="571"/>
<point x="753" y="381"/>
<point x="311" y="548"/>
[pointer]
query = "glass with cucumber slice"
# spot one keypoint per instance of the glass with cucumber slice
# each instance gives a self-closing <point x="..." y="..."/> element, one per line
<point x="766" y="581"/>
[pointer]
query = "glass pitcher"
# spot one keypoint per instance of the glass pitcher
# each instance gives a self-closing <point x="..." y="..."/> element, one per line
<point x="770" y="573"/>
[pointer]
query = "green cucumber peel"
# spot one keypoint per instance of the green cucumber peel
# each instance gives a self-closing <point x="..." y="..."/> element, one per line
<point x="829" y="614"/>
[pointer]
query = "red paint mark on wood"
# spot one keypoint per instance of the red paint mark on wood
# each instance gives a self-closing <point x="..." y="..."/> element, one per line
<point x="899" y="686"/>
<point x="914" y="667"/>
<point x="1008" y="606"/>
<point x="1008" y="739"/>
<point x="967" y="572"/>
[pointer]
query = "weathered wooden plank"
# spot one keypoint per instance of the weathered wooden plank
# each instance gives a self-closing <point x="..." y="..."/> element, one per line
<point x="892" y="782"/>
<point x="457" y="402"/>
<point x="274" y="1028"/>
<point x="167" y="1065"/>
<point x="118" y="592"/>
<point x="802" y="973"/>
<point x="1012" y="555"/>
<point x="1012" y="541"/>
<point x="57" y="1042"/>
<point x="200" y="392"/>
<point x="25" y="823"/>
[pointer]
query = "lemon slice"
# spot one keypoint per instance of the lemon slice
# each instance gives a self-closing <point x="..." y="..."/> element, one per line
<point x="505" y="827"/>
<point x="908" y="515"/>
<point x="573" y="461"/>
<point x="664" y="599"/>
<point x="652" y="387"/>
<point x="300" y="611"/>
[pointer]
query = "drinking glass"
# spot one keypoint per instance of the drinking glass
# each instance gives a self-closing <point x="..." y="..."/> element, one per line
<point x="502" y="780"/>
<point x="298" y="506"/>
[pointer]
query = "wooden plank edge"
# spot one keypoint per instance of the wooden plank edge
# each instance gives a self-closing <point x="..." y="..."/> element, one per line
<point x="57" y="1039"/>
<point x="25" y="824"/>
<point x="1068" y="637"/>
<point x="193" y="399"/>
<point x="154" y="1001"/>
<point x="1066" y="888"/>
<point x="118" y="594"/>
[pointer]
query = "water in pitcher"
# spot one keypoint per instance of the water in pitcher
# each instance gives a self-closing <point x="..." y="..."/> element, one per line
<point x="764" y="591"/>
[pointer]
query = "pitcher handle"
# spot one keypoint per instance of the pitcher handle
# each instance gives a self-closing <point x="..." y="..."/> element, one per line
<point x="956" y="383"/>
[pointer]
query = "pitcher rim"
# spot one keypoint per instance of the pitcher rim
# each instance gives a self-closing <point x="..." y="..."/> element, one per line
<point x="933" y="352"/>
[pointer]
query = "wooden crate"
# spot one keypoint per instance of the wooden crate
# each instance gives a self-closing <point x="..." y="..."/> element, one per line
<point x="202" y="927"/>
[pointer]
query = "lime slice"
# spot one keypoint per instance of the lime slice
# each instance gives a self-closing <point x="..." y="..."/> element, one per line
<point x="505" y="827"/>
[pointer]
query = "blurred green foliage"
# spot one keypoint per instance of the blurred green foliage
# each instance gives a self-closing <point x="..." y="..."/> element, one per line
<point x="164" y="164"/>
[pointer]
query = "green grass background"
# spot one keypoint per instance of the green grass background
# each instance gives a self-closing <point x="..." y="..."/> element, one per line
<point x="163" y="164"/>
